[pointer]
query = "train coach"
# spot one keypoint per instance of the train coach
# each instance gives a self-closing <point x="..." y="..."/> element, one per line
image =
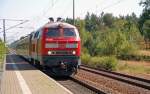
<point x="55" y="46"/>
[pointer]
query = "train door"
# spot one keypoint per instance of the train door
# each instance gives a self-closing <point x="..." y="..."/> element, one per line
<point x="30" y="46"/>
<point x="36" y="42"/>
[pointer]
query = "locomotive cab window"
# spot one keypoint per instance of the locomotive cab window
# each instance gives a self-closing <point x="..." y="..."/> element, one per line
<point x="69" y="32"/>
<point x="55" y="32"/>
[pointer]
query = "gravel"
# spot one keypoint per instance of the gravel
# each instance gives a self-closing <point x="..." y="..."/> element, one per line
<point x="110" y="85"/>
<point x="75" y="87"/>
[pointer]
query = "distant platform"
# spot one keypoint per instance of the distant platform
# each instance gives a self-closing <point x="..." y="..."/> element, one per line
<point x="19" y="77"/>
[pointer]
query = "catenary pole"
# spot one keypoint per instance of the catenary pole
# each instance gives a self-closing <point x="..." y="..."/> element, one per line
<point x="73" y="12"/>
<point x="4" y="33"/>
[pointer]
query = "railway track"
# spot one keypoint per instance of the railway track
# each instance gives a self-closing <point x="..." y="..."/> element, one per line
<point x="92" y="88"/>
<point x="136" y="81"/>
<point x="73" y="84"/>
<point x="76" y="85"/>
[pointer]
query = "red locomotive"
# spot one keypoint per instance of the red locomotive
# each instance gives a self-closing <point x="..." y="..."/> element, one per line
<point x="55" y="45"/>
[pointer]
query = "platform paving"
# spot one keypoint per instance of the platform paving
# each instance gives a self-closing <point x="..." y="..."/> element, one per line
<point x="19" y="77"/>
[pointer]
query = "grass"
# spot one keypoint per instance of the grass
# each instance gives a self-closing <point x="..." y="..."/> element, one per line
<point x="133" y="67"/>
<point x="111" y="63"/>
<point x="2" y="52"/>
<point x="104" y="62"/>
<point x="141" y="55"/>
<point x="144" y="52"/>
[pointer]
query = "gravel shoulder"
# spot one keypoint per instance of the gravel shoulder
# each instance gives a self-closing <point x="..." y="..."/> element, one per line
<point x="110" y="85"/>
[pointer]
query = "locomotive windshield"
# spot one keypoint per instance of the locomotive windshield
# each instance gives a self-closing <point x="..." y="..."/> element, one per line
<point x="69" y="32"/>
<point x="55" y="32"/>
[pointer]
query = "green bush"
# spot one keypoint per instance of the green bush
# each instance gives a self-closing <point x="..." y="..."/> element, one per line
<point x="105" y="62"/>
<point x="2" y="50"/>
<point x="115" y="43"/>
<point x="134" y="57"/>
<point x="85" y="58"/>
<point x="95" y="61"/>
<point x="109" y="63"/>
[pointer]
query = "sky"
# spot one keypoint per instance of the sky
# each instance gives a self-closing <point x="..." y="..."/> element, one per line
<point x="37" y="12"/>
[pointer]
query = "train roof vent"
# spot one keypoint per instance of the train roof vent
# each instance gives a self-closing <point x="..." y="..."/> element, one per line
<point x="51" y="19"/>
<point x="59" y="19"/>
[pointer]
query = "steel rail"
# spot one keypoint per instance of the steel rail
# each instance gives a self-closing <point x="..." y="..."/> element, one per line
<point x="93" y="88"/>
<point x="136" y="81"/>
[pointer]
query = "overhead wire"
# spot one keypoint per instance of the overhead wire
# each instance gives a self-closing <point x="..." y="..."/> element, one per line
<point x="45" y="11"/>
<point x="16" y="25"/>
<point x="31" y="21"/>
<point x="24" y="21"/>
<point x="37" y="19"/>
<point x="50" y="7"/>
<point x="14" y="19"/>
<point x="109" y="6"/>
<point x="65" y="9"/>
<point x="113" y="4"/>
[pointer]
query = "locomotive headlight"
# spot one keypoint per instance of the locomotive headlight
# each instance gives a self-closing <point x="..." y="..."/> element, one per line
<point x="71" y="45"/>
<point x="49" y="52"/>
<point x="73" y="52"/>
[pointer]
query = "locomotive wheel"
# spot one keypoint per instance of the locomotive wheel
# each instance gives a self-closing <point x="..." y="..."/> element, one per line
<point x="44" y="68"/>
<point x="36" y="64"/>
<point x="32" y="61"/>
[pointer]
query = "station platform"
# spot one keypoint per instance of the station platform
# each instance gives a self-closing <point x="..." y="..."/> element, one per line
<point x="19" y="77"/>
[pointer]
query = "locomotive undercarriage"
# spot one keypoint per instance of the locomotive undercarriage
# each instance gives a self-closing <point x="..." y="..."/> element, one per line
<point x="61" y="65"/>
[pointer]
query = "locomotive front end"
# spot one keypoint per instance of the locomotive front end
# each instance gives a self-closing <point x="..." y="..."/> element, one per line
<point x="61" y="48"/>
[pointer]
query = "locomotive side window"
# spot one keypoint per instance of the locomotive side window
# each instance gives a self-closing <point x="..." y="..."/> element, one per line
<point x="69" y="32"/>
<point x="36" y="34"/>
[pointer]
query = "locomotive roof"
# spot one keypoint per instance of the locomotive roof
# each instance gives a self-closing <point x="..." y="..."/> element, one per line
<point x="56" y="24"/>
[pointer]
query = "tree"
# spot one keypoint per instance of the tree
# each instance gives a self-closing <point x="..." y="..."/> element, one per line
<point x="0" y="40"/>
<point x="108" y="19"/>
<point x="120" y="24"/>
<point x="114" y="43"/>
<point x="88" y="22"/>
<point x="145" y="4"/>
<point x="92" y="22"/>
<point x="144" y="17"/>
<point x="69" y="20"/>
<point x="146" y="29"/>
